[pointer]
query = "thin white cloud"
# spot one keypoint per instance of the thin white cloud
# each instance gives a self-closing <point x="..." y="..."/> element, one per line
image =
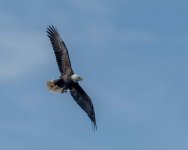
<point x="21" y="52"/>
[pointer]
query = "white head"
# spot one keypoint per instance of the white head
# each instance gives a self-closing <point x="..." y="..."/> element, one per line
<point x="76" y="78"/>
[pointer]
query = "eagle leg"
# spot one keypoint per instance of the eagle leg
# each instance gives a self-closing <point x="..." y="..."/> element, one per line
<point x="63" y="90"/>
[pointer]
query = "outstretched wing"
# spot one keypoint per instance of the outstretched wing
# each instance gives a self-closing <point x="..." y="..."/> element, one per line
<point x="60" y="50"/>
<point x="84" y="102"/>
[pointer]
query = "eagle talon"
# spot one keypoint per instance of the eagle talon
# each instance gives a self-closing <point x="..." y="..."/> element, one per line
<point x="63" y="90"/>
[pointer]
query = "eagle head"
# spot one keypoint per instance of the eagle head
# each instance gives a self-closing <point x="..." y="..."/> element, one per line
<point x="76" y="78"/>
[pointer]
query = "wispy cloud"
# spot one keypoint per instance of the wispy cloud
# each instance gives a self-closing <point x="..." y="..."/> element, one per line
<point x="21" y="52"/>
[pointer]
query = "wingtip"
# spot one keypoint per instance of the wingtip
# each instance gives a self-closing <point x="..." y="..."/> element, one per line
<point x="94" y="126"/>
<point x="51" y="29"/>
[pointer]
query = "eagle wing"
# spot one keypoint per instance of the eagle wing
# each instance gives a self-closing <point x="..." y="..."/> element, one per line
<point x="60" y="50"/>
<point x="84" y="101"/>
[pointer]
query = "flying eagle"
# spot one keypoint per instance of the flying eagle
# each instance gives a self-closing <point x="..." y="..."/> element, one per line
<point x="68" y="79"/>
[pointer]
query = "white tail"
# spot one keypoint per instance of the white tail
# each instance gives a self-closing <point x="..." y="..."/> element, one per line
<point x="52" y="87"/>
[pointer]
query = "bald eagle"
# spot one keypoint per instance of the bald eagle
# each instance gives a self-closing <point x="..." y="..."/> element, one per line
<point x="68" y="79"/>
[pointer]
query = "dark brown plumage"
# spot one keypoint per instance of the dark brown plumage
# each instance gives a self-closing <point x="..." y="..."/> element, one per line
<point x="68" y="80"/>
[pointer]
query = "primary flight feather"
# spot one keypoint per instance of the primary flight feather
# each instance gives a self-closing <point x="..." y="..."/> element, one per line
<point x="68" y="80"/>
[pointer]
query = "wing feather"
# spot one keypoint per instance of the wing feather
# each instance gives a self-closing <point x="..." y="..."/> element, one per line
<point x="84" y="101"/>
<point x="60" y="50"/>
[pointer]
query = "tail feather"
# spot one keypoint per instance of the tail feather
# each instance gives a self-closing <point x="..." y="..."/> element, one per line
<point x="53" y="87"/>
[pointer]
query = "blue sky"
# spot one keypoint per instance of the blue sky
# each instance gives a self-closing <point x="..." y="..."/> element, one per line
<point x="132" y="55"/>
